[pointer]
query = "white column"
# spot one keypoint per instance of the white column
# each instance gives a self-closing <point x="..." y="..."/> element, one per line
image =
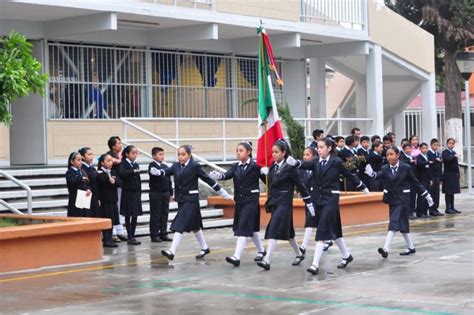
<point x="398" y="126"/>
<point x="428" y="109"/>
<point x="294" y="89"/>
<point x="317" y="71"/>
<point x="361" y="108"/>
<point x="374" y="82"/>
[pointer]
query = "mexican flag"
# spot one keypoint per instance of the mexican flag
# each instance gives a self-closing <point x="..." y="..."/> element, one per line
<point x="269" y="122"/>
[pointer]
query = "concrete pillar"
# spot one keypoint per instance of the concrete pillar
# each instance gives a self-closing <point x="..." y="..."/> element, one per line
<point x="361" y="108"/>
<point x="398" y="126"/>
<point x="28" y="134"/>
<point x="294" y="89"/>
<point x="317" y="71"/>
<point x="374" y="81"/>
<point x="428" y="109"/>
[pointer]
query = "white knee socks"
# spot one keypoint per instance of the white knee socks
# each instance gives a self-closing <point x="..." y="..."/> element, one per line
<point x="240" y="246"/>
<point x="342" y="247"/>
<point x="295" y="247"/>
<point x="407" y="238"/>
<point x="176" y="240"/>
<point x="270" y="249"/>
<point x="388" y="240"/>
<point x="318" y="253"/>
<point x="200" y="238"/>
<point x="258" y="242"/>
<point x="307" y="236"/>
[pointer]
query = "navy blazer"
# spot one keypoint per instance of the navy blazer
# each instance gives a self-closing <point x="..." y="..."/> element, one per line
<point x="282" y="186"/>
<point x="423" y="170"/>
<point x="159" y="183"/>
<point x="375" y="160"/>
<point x="450" y="161"/>
<point x="246" y="184"/>
<point x="397" y="190"/>
<point x="107" y="191"/>
<point x="75" y="180"/>
<point x="436" y="166"/>
<point x="130" y="180"/>
<point x="186" y="186"/>
<point x="326" y="186"/>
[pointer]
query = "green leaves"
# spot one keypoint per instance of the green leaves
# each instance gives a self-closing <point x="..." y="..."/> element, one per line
<point x="294" y="130"/>
<point x="20" y="73"/>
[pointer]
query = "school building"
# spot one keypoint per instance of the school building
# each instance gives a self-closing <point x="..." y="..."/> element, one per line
<point x="184" y="71"/>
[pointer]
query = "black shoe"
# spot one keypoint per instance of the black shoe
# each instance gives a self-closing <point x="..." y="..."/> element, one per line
<point x="133" y="241"/>
<point x="260" y="256"/>
<point x="439" y="214"/>
<point x="232" y="260"/>
<point x="450" y="211"/>
<point x="115" y="239"/>
<point x="434" y="214"/>
<point x="422" y="216"/>
<point x="203" y="253"/>
<point x="457" y="211"/>
<point x="345" y="262"/>
<point x="110" y="245"/>
<point x="156" y="240"/>
<point x="313" y="270"/>
<point x="168" y="254"/>
<point x="407" y="252"/>
<point x="412" y="217"/>
<point x="383" y="252"/>
<point x="302" y="250"/>
<point x="165" y="238"/>
<point x="298" y="260"/>
<point x="122" y="238"/>
<point x="264" y="265"/>
<point x="327" y="245"/>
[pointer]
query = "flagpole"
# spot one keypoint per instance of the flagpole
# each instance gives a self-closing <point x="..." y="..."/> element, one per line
<point x="266" y="156"/>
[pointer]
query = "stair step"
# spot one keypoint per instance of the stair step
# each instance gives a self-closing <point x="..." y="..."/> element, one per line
<point x="207" y="224"/>
<point x="52" y="171"/>
<point x="52" y="203"/>
<point x="57" y="181"/>
<point x="56" y="192"/>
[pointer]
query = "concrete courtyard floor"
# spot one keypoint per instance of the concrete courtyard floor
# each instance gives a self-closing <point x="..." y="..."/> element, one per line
<point x="438" y="279"/>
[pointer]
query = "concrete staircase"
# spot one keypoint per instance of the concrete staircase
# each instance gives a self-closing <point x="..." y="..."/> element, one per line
<point x="50" y="197"/>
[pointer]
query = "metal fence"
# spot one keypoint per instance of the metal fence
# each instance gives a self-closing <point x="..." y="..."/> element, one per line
<point x="88" y="81"/>
<point x="347" y="13"/>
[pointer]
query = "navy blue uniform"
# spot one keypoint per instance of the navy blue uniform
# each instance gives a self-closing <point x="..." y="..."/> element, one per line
<point x="348" y="155"/>
<point x="409" y="160"/>
<point x="325" y="194"/>
<point x="423" y="173"/>
<point x="160" y="192"/>
<point x="108" y="197"/>
<point x="307" y="178"/>
<point x="436" y="173"/>
<point x="75" y="181"/>
<point x="376" y="161"/>
<point x="364" y="177"/>
<point x="92" y="175"/>
<point x="131" y="201"/>
<point x="451" y="184"/>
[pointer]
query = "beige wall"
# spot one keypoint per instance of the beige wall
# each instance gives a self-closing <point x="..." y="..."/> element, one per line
<point x="67" y="136"/>
<point x="5" y="143"/>
<point x="400" y="36"/>
<point x="276" y="9"/>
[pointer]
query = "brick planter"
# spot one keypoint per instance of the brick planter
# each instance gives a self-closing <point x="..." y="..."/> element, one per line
<point x="356" y="208"/>
<point x="58" y="241"/>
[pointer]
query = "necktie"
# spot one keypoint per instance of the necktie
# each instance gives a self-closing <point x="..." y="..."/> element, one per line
<point x="276" y="167"/>
<point x="394" y="171"/>
<point x="242" y="168"/>
<point x="323" y="164"/>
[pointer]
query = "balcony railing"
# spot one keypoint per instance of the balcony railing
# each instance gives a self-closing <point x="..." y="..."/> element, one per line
<point x="346" y="13"/>
<point x="197" y="4"/>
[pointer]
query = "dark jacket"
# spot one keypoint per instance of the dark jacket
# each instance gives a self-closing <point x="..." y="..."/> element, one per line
<point x="397" y="190"/>
<point x="423" y="171"/>
<point x="435" y="166"/>
<point x="375" y="160"/>
<point x="107" y="191"/>
<point x="159" y="184"/>
<point x="246" y="184"/>
<point x="130" y="180"/>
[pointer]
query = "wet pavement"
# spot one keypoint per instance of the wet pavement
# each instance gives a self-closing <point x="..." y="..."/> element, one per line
<point x="438" y="279"/>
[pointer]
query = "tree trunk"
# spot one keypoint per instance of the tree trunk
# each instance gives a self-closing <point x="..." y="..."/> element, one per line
<point x="452" y="101"/>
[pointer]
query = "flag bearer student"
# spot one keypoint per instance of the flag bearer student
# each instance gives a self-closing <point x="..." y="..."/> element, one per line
<point x="450" y="176"/>
<point x="311" y="223"/>
<point x="376" y="161"/>
<point x="160" y="193"/>
<point x="107" y="183"/>
<point x="405" y="156"/>
<point x="246" y="176"/>
<point x="436" y="171"/>
<point x="327" y="169"/>
<point x="423" y="173"/>
<point x="282" y="179"/>
<point x="115" y="150"/>
<point x="347" y="154"/>
<point x="398" y="181"/>
<point x="363" y="151"/>
<point x="131" y="200"/>
<point x="186" y="173"/>
<point x="89" y="169"/>
<point x="76" y="179"/>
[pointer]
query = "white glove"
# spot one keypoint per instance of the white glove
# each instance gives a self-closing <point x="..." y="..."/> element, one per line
<point x="156" y="172"/>
<point x="369" y="170"/>
<point x="215" y="175"/>
<point x="223" y="193"/>
<point x="311" y="209"/>
<point x="366" y="191"/>
<point x="430" y="200"/>
<point x="264" y="170"/>
<point x="291" y="161"/>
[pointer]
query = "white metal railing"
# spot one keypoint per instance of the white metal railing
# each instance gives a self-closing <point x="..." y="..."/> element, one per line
<point x="186" y="3"/>
<point x="346" y="13"/>
<point x="223" y="138"/>
<point x="29" y="195"/>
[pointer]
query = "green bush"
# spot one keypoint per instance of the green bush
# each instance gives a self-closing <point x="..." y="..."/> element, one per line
<point x="20" y="73"/>
<point x="294" y="130"/>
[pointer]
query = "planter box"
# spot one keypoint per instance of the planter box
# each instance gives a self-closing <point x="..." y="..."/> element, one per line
<point x="57" y="241"/>
<point x="355" y="207"/>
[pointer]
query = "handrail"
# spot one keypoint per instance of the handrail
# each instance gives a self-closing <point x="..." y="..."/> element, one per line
<point x="29" y="194"/>
<point x="10" y="207"/>
<point x="152" y="135"/>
